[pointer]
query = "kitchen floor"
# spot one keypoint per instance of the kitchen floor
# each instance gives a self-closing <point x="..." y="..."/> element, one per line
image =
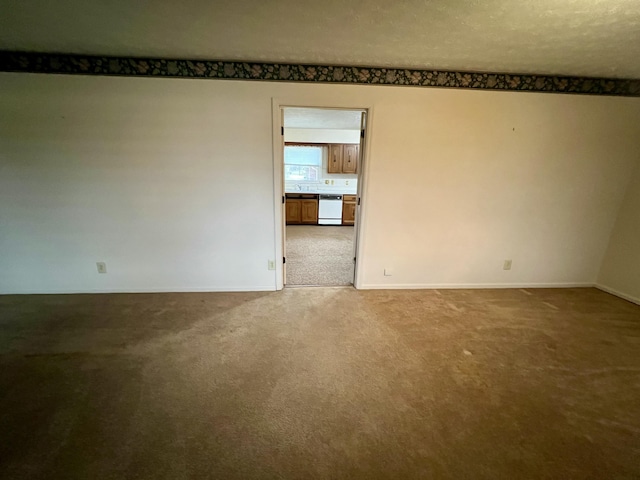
<point x="319" y="255"/>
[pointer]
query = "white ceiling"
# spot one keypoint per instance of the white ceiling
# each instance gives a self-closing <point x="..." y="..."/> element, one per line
<point x="572" y="37"/>
<point x="297" y="117"/>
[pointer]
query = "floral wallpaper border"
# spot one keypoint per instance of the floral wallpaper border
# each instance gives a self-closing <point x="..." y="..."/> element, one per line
<point x="153" y="67"/>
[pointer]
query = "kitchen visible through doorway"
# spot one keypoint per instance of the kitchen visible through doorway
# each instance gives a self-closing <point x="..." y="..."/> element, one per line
<point x="322" y="174"/>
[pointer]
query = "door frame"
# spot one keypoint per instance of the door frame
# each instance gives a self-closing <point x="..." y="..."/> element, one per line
<point x="278" y="182"/>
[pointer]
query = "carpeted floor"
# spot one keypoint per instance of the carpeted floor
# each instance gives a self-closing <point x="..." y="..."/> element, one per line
<point x="320" y="383"/>
<point x="319" y="255"/>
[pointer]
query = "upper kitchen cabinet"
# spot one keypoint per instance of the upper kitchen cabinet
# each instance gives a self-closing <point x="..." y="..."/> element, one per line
<point x="350" y="158"/>
<point x="335" y="158"/>
<point x="343" y="158"/>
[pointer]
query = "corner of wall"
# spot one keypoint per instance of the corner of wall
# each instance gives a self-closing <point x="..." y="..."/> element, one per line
<point x="619" y="272"/>
<point x="618" y="293"/>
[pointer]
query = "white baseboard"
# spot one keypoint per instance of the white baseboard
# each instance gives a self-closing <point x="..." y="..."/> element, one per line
<point x="269" y="288"/>
<point x="445" y="286"/>
<point x="618" y="293"/>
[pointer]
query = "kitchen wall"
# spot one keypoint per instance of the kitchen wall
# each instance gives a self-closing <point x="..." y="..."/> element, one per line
<point x="143" y="174"/>
<point x="620" y="273"/>
<point x="331" y="182"/>
<point x="321" y="135"/>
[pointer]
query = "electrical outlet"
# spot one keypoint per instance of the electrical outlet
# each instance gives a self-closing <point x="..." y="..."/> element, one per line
<point x="387" y="272"/>
<point x="507" y="265"/>
<point x="271" y="265"/>
<point x="102" y="267"/>
<point x="346" y="182"/>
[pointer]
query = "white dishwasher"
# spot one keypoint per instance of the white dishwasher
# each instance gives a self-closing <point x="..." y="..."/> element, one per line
<point x="330" y="210"/>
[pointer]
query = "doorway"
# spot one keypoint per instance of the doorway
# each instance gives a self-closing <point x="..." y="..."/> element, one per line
<point x="322" y="176"/>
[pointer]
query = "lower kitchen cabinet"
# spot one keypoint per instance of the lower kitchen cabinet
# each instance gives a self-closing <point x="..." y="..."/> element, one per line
<point x="309" y="211"/>
<point x="302" y="209"/>
<point x="348" y="209"/>
<point x="293" y="211"/>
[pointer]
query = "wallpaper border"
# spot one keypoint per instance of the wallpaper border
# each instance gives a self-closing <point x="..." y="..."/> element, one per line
<point x="288" y="72"/>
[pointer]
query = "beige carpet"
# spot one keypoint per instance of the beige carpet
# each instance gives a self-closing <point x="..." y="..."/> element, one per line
<point x="320" y="383"/>
<point x="319" y="255"/>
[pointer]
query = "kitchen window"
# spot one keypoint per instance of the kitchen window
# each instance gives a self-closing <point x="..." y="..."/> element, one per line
<point x="302" y="163"/>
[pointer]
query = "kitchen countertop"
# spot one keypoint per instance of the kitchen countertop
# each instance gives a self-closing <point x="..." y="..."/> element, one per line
<point x="333" y="191"/>
<point x="321" y="188"/>
<point x="319" y="193"/>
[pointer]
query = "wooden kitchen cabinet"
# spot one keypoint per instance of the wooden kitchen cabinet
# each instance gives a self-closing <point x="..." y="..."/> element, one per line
<point x="350" y="158"/>
<point x="343" y="158"/>
<point x="335" y="158"/>
<point x="348" y="209"/>
<point x="294" y="211"/>
<point x="309" y="211"/>
<point x="301" y="209"/>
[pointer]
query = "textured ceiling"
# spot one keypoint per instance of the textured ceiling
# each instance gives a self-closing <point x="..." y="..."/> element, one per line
<point x="297" y="117"/>
<point x="571" y="37"/>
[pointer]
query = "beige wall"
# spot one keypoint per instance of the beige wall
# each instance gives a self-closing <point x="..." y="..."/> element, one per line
<point x="620" y="273"/>
<point x="160" y="180"/>
<point x="321" y="135"/>
<point x="461" y="181"/>
<point x="144" y="175"/>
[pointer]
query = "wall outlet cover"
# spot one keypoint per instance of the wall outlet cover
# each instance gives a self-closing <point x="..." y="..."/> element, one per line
<point x="271" y="265"/>
<point x="506" y="265"/>
<point x="102" y="267"/>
